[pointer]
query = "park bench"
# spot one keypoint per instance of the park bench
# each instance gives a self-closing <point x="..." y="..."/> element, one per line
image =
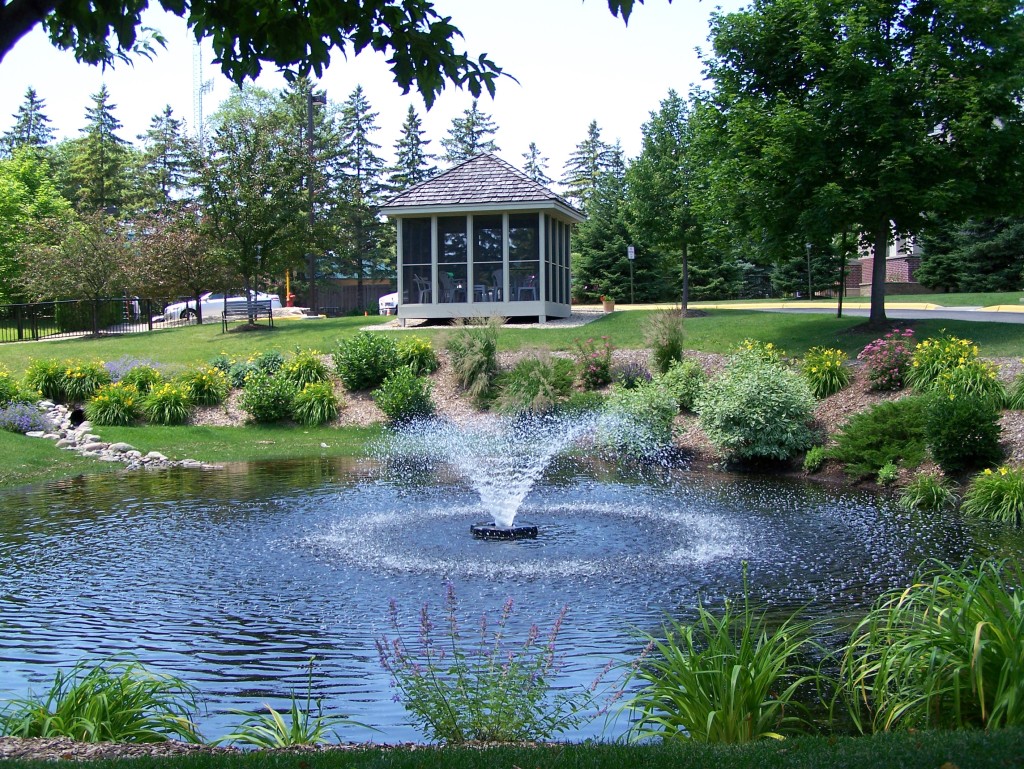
<point x="250" y="312"/>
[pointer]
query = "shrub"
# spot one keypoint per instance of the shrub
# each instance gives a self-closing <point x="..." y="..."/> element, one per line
<point x="20" y="417"/>
<point x="267" y="398"/>
<point x="238" y="373"/>
<point x="267" y="362"/>
<point x="684" y="379"/>
<point x="114" y="404"/>
<point x="888" y="359"/>
<point x="943" y="653"/>
<point x="927" y="492"/>
<point x="631" y="375"/>
<point x="824" y="370"/>
<point x="46" y="377"/>
<point x="582" y="402"/>
<point x="891" y="431"/>
<point x="168" y="404"/>
<point x="814" y="459"/>
<point x="116" y="700"/>
<point x="767" y="352"/>
<point x="205" y="385"/>
<point x="997" y="495"/>
<point x="888" y="474"/>
<point x="418" y="354"/>
<point x="975" y="378"/>
<point x="732" y="678"/>
<point x="473" y="349"/>
<point x="933" y="356"/>
<point x="404" y="396"/>
<point x="305" y="367"/>
<point x="756" y="409"/>
<point x="962" y="432"/>
<point x="81" y="381"/>
<point x="459" y="689"/>
<point x="537" y="384"/>
<point x="665" y="336"/>
<point x="642" y="418"/>
<point x="143" y="378"/>
<point x="315" y="404"/>
<point x="594" y="362"/>
<point x="365" y="361"/>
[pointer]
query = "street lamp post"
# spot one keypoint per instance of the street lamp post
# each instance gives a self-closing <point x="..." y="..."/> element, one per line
<point x="810" y="290"/>
<point x="312" y="99"/>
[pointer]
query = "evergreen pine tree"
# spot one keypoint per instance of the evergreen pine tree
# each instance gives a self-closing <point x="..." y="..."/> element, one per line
<point x="469" y="135"/>
<point x="600" y="243"/>
<point x="31" y="126"/>
<point x="165" y="165"/>
<point x="591" y="158"/>
<point x="536" y="165"/>
<point x="98" y="170"/>
<point x="412" y="161"/>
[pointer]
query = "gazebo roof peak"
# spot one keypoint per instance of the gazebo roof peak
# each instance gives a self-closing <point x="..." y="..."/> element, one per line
<point x="482" y="180"/>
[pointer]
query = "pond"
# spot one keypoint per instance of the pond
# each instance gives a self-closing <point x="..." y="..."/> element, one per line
<point x="234" y="578"/>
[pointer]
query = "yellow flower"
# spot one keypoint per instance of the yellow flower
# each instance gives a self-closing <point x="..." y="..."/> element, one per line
<point x="1003" y="471"/>
<point x="988" y="471"/>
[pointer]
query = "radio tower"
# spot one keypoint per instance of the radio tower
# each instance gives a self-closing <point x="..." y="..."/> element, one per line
<point x="200" y="87"/>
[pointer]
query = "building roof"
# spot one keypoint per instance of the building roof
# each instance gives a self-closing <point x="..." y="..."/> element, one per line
<point x="482" y="181"/>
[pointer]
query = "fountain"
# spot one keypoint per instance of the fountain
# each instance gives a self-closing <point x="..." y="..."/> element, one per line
<point x="501" y="457"/>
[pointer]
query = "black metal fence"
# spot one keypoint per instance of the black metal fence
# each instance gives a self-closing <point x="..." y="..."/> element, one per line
<point x="76" y="317"/>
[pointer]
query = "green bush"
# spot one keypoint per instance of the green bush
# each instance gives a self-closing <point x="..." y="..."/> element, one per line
<point x="404" y="396"/>
<point x="962" y="432"/>
<point x="315" y="404"/>
<point x="473" y="350"/>
<point x="934" y="356"/>
<point x="168" y="404"/>
<point x="595" y="363"/>
<point x="665" y="336"/>
<point x="582" y="402"/>
<point x="268" y="361"/>
<point x="996" y="495"/>
<point x="305" y="367"/>
<point x="927" y="492"/>
<point x="814" y="459"/>
<point x="888" y="474"/>
<point x="205" y="385"/>
<point x="642" y="418"/>
<point x="46" y="377"/>
<point x="732" y="678"/>
<point x="365" y="361"/>
<point x="766" y="351"/>
<point x="943" y="653"/>
<point x="684" y="379"/>
<point x="891" y="431"/>
<point x="536" y="384"/>
<point x="238" y="373"/>
<point x="143" y="378"/>
<point x="824" y="370"/>
<point x="267" y="398"/>
<point x="81" y="381"/>
<point x="117" y="700"/>
<point x="757" y="409"/>
<point x="418" y="354"/>
<point x="975" y="378"/>
<point x="114" y="404"/>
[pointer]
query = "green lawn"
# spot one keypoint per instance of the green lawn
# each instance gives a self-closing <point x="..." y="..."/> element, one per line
<point x="25" y="461"/>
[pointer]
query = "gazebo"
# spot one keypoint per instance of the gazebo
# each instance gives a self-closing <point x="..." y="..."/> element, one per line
<point x="482" y="239"/>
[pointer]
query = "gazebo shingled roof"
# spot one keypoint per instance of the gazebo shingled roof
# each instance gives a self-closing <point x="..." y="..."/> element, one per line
<point x="482" y="180"/>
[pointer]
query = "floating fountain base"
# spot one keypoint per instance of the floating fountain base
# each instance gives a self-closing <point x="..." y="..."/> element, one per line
<point x="494" y="531"/>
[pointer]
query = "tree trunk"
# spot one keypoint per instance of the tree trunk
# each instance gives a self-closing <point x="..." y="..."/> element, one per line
<point x="686" y="278"/>
<point x="877" y="317"/>
<point x="842" y="275"/>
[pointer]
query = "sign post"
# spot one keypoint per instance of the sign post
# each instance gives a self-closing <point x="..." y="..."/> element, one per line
<point x="631" y="255"/>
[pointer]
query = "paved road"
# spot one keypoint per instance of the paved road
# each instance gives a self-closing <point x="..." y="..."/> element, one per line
<point x="945" y="313"/>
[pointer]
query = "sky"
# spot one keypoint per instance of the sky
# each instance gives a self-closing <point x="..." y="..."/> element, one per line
<point x="573" y="60"/>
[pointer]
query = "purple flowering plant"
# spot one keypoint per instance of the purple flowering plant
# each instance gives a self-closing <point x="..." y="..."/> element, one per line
<point x="888" y="359"/>
<point x="473" y="685"/>
<point x="19" y="417"/>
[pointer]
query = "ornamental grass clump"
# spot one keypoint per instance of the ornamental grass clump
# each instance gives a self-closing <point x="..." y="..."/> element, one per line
<point x="305" y="367"/>
<point x="45" y="377"/>
<point x="474" y="686"/>
<point x="730" y="677"/>
<point x="115" y="700"/>
<point x="928" y="492"/>
<point x="933" y="356"/>
<point x="473" y="350"/>
<point x="1015" y="393"/>
<point x="997" y="495"/>
<point x="594" y="362"/>
<point x="81" y="381"/>
<point x="418" y="354"/>
<point x="114" y="404"/>
<point x="825" y="372"/>
<point x="665" y="336"/>
<point x="205" y="385"/>
<point x="757" y="408"/>
<point x="167" y="404"/>
<point x="315" y="404"/>
<point x="537" y="384"/>
<point x="888" y="359"/>
<point x="944" y="653"/>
